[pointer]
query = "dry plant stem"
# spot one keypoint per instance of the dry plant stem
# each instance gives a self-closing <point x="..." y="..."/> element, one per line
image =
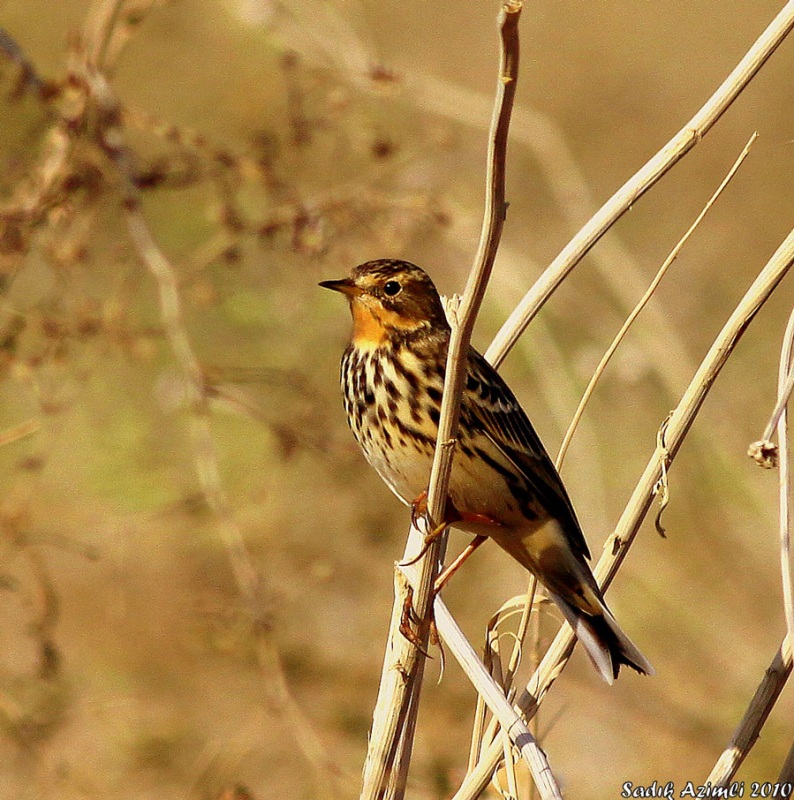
<point x="785" y="374"/>
<point x="476" y="746"/>
<point x="393" y="727"/>
<point x="247" y="578"/>
<point x="521" y="633"/>
<point x="206" y="458"/>
<point x="19" y="431"/>
<point x="494" y="216"/>
<point x="34" y="198"/>
<point x="493" y="727"/>
<point x="101" y="26"/>
<point x="787" y="770"/>
<point x="10" y="50"/>
<point x="640" y="182"/>
<point x="463" y="317"/>
<point x="403" y="668"/>
<point x="400" y="776"/>
<point x="534" y="722"/>
<point x="494" y="696"/>
<point x="564" y="179"/>
<point x="566" y="183"/>
<point x="782" y="401"/>
<point x="510" y="772"/>
<point x="754" y="718"/>
<point x="507" y="683"/>
<point x="527" y="616"/>
<point x="617" y="545"/>
<point x="643" y="302"/>
<point x="173" y="326"/>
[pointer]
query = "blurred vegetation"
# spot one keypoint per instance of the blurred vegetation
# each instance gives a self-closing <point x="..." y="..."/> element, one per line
<point x="277" y="144"/>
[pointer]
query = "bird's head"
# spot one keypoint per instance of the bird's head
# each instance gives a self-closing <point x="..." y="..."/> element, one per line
<point x="390" y="298"/>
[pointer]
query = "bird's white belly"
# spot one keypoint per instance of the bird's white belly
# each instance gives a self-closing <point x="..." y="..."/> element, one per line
<point x="407" y="476"/>
<point x="473" y="489"/>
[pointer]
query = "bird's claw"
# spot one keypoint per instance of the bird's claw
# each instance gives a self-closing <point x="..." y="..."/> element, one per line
<point x="419" y="511"/>
<point x="408" y="618"/>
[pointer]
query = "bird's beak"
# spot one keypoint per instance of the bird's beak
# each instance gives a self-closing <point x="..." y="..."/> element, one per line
<point x="345" y="285"/>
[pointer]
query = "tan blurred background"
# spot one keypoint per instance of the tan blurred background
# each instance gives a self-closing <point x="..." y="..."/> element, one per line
<point x="337" y="132"/>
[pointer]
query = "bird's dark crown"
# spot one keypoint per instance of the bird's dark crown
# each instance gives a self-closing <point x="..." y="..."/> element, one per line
<point x="400" y="290"/>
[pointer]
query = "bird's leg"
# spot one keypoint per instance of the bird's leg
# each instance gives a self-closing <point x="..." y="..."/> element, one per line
<point x="451" y="515"/>
<point x="429" y="539"/>
<point x="443" y="578"/>
<point x="418" y="508"/>
<point x="418" y="511"/>
<point x="409" y="614"/>
<point x="407" y="617"/>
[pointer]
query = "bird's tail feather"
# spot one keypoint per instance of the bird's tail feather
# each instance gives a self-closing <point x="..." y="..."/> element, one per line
<point x="605" y="643"/>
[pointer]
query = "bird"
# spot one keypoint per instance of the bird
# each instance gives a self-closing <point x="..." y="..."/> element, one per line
<point x="503" y="485"/>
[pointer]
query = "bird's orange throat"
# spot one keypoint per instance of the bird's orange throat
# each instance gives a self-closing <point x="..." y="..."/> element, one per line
<point x="373" y="324"/>
<point x="368" y="329"/>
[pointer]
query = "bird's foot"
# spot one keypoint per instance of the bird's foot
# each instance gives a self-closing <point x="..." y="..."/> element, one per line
<point x="410" y="626"/>
<point x="419" y="511"/>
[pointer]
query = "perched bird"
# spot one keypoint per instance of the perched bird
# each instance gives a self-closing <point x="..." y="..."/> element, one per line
<point x="503" y="484"/>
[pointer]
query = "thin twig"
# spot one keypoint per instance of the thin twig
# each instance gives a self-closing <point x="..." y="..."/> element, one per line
<point x="110" y="137"/>
<point x="247" y="578"/>
<point x="101" y="26"/>
<point x="493" y="223"/>
<point x="565" y="181"/>
<point x="785" y="374"/>
<point x="640" y="182"/>
<point x="463" y="314"/>
<point x="765" y="451"/>
<point x="787" y="773"/>
<point x="34" y="197"/>
<point x="618" y="544"/>
<point x="534" y="722"/>
<point x="478" y="724"/>
<point x="493" y="694"/>
<point x="754" y="718"/>
<point x="521" y="633"/>
<point x="393" y="726"/>
<point x="29" y="77"/>
<point x="605" y="359"/>
<point x="19" y="431"/>
<point x="527" y="606"/>
<point x="112" y="142"/>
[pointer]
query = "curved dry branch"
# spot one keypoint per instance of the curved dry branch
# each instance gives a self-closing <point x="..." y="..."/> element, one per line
<point x="749" y="728"/>
<point x="624" y="329"/>
<point x="640" y="182"/>
<point x="785" y="376"/>
<point x="494" y="696"/>
<point x="110" y="137"/>
<point x="617" y="545"/>
<point x="393" y="727"/>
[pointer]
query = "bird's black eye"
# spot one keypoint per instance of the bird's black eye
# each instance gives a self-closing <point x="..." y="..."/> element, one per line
<point x="391" y="288"/>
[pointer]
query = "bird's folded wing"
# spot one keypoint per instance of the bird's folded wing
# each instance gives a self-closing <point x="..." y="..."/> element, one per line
<point x="505" y="423"/>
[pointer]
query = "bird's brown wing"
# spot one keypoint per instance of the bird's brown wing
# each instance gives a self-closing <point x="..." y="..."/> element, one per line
<point x="495" y="408"/>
